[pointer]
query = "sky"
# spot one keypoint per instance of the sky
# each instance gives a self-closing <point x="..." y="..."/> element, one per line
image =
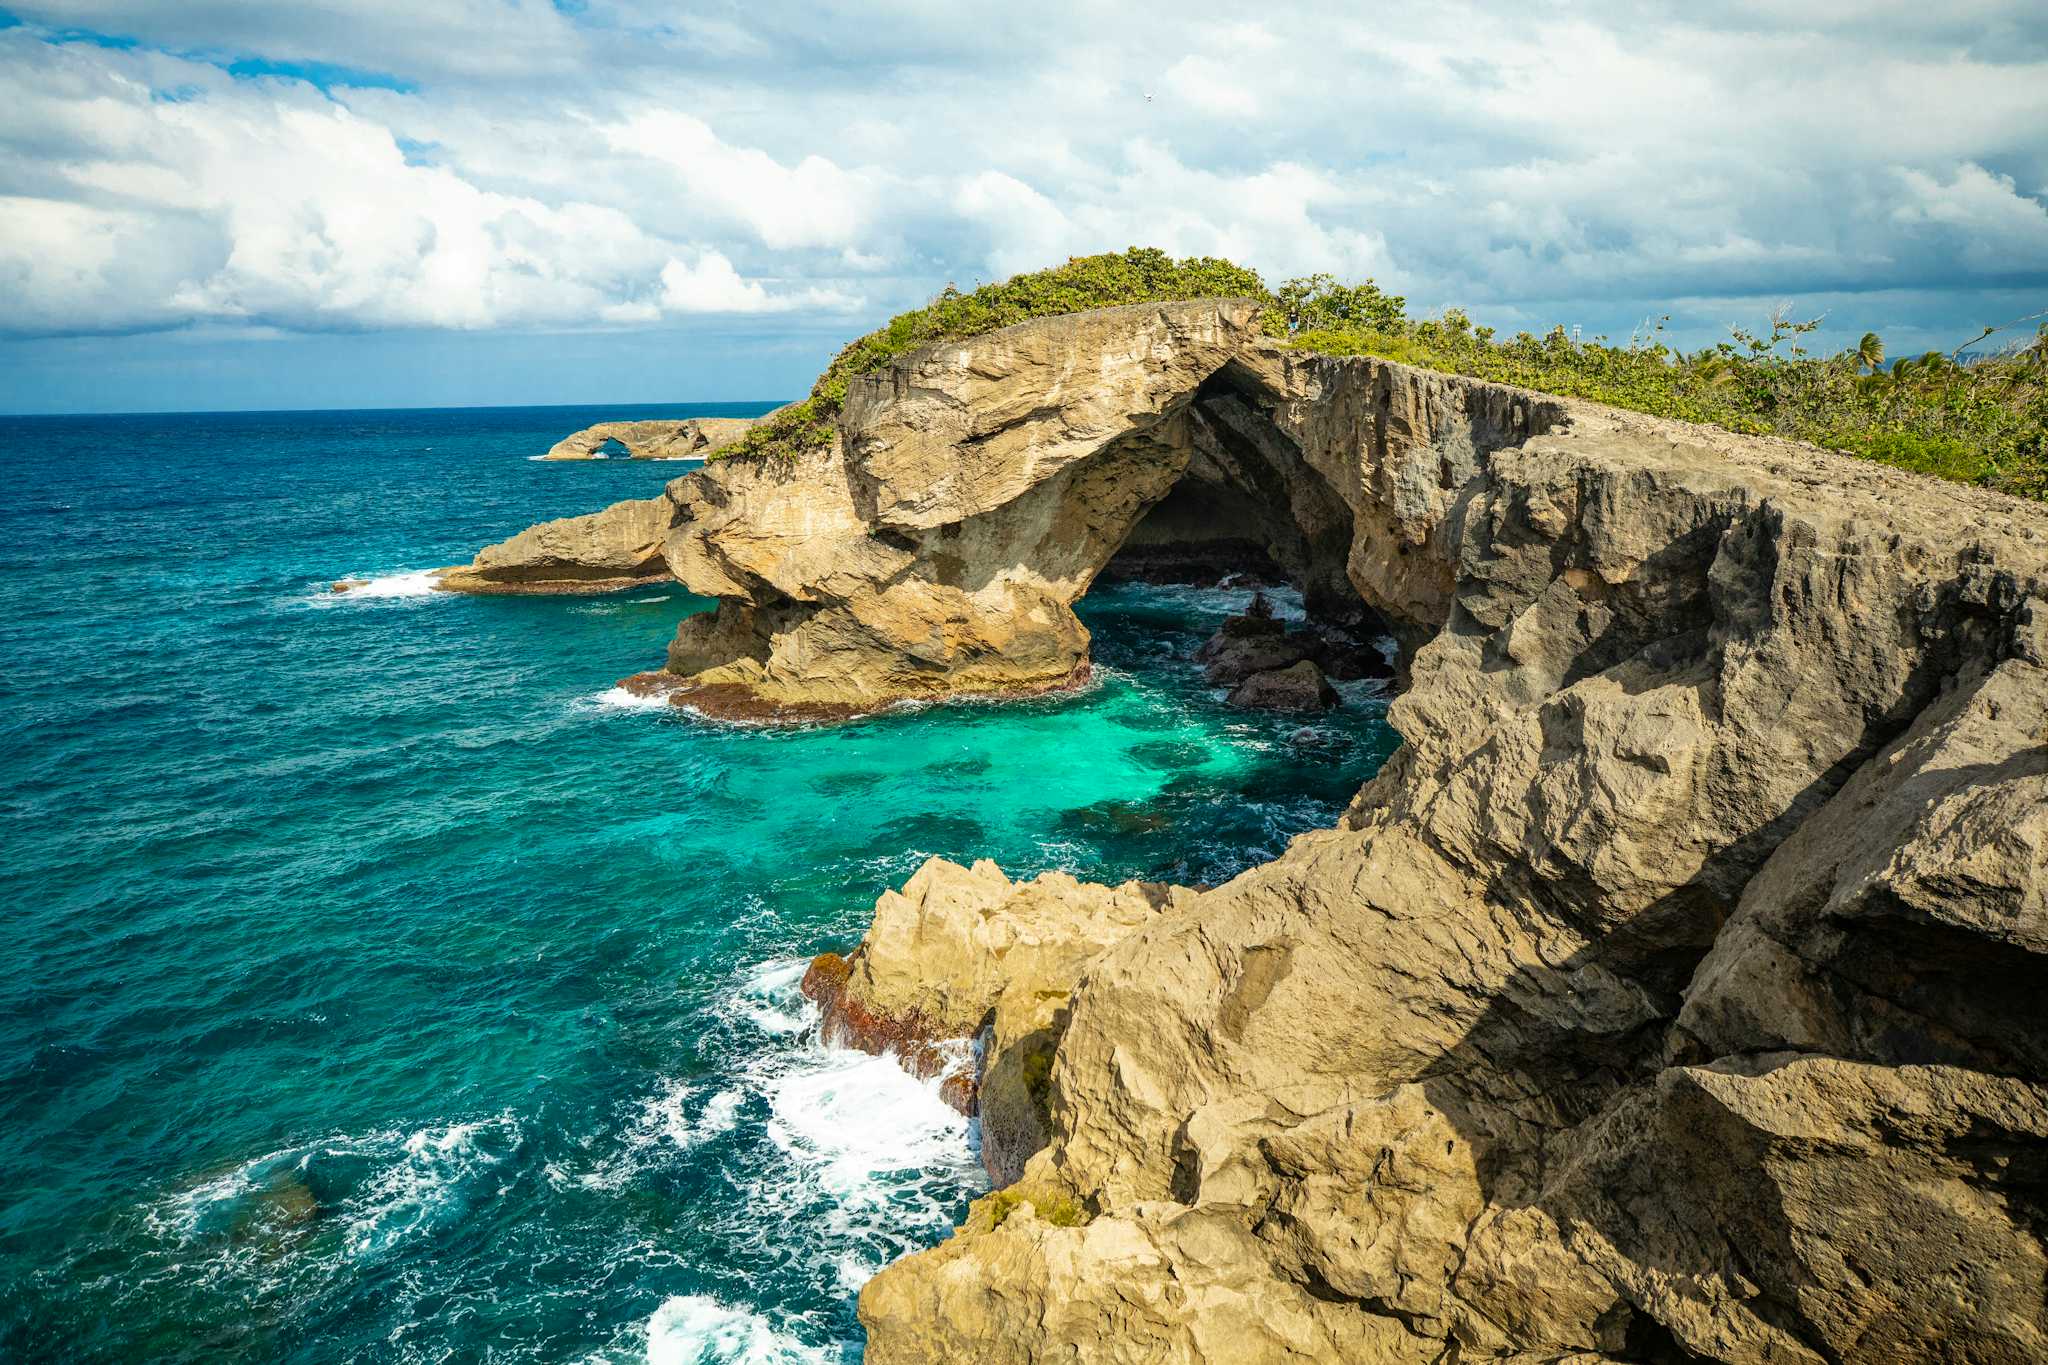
<point x="214" y="204"/>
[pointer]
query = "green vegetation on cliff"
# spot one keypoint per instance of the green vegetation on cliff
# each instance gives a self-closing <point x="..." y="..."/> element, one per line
<point x="1982" y="422"/>
<point x="1985" y="421"/>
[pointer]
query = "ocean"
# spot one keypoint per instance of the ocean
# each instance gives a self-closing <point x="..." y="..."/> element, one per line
<point x="383" y="985"/>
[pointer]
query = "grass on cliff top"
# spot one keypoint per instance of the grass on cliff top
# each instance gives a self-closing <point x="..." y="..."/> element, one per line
<point x="1971" y="417"/>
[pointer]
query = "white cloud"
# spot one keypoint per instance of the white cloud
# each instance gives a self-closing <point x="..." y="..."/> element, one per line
<point x="1997" y="224"/>
<point x="1211" y="86"/>
<point x="621" y="167"/>
<point x="713" y="286"/>
<point x="813" y="203"/>
<point x="271" y="203"/>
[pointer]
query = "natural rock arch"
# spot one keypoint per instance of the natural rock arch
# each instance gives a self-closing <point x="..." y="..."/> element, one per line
<point x="655" y="439"/>
<point x="976" y="489"/>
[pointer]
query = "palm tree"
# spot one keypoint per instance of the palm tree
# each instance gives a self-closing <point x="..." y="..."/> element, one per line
<point x="1870" y="352"/>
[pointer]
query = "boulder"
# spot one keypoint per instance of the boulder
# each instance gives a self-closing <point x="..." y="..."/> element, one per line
<point x="963" y="954"/>
<point x="1228" y="660"/>
<point x="1298" y="687"/>
<point x="1348" y="659"/>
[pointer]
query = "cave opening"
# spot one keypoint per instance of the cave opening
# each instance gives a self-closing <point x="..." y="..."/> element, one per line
<point x="1249" y="508"/>
<point x="1250" y="511"/>
<point x="611" y="448"/>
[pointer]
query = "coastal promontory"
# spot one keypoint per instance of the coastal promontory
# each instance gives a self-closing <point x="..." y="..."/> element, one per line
<point x="1669" y="995"/>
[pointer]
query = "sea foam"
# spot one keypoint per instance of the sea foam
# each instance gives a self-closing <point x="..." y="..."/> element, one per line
<point x="694" y="1329"/>
<point x="619" y="699"/>
<point x="416" y="584"/>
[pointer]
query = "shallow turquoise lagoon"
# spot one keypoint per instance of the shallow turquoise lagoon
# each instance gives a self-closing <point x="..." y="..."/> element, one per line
<point x="381" y="986"/>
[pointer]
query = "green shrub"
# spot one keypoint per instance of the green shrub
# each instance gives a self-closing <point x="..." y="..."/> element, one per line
<point x="1982" y="422"/>
<point x="1053" y="1207"/>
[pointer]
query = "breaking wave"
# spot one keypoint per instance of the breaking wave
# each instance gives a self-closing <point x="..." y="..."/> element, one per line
<point x="695" y="1329"/>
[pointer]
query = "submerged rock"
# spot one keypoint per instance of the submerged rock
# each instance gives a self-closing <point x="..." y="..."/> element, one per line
<point x="1299" y="687"/>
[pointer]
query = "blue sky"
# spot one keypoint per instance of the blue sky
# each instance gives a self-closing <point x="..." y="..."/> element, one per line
<point x="218" y="204"/>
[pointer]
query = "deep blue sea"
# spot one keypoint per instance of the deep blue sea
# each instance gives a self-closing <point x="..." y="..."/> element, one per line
<point x="378" y="987"/>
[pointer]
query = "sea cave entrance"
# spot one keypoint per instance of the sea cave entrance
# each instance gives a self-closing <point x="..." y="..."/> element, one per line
<point x="1250" y="511"/>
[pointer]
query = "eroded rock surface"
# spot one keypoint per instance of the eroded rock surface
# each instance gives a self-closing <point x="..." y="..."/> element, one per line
<point x="619" y="547"/>
<point x="936" y="547"/>
<point x="1300" y="686"/>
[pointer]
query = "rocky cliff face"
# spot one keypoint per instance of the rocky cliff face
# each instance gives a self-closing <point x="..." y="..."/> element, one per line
<point x="1671" y="994"/>
<point x="1667" y="995"/>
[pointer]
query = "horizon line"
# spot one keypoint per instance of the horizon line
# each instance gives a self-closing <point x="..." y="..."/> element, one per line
<point x="417" y="407"/>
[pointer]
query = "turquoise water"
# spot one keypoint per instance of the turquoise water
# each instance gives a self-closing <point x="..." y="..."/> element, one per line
<point x="379" y="988"/>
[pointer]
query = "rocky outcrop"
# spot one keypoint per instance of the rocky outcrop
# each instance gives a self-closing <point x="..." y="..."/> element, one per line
<point x="1665" y="997"/>
<point x="690" y="438"/>
<point x="964" y="959"/>
<point x="1300" y="686"/>
<point x="936" y="547"/>
<point x="1669" y="995"/>
<point x="619" y="547"/>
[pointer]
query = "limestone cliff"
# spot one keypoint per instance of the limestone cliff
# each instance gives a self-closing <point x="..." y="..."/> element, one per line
<point x="1666" y="997"/>
<point x="1670" y="995"/>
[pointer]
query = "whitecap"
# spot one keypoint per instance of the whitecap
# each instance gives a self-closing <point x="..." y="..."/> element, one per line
<point x="867" y="1158"/>
<point x="856" y="1123"/>
<point x="619" y="699"/>
<point x="427" y="1181"/>
<point x="695" y="1329"/>
<point x="414" y="584"/>
<point x="770" y="1000"/>
<point x="185" y="1214"/>
<point x="667" y="1116"/>
<point x="254" y="1224"/>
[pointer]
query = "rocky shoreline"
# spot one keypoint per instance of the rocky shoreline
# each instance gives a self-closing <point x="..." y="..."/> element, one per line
<point x="1669" y="995"/>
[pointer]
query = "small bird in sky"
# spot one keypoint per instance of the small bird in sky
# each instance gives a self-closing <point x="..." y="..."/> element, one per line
<point x="1148" y="97"/>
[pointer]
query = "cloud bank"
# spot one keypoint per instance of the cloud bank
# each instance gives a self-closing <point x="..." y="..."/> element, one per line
<point x="470" y="165"/>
